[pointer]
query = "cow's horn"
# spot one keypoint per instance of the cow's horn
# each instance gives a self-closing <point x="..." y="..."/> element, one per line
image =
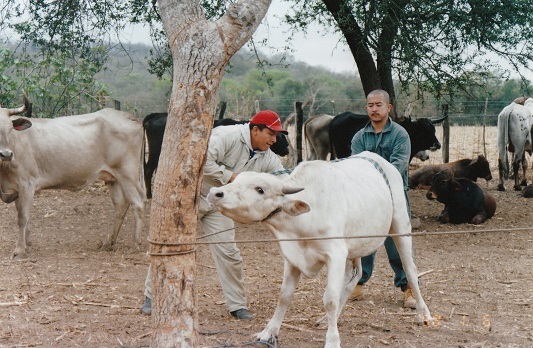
<point x="520" y="100"/>
<point x="21" y="109"/>
<point x="438" y="120"/>
<point x="290" y="190"/>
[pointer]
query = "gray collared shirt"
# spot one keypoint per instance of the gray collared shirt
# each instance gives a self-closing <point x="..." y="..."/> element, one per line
<point x="393" y="144"/>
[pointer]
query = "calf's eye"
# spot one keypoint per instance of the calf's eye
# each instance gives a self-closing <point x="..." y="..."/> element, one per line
<point x="260" y="190"/>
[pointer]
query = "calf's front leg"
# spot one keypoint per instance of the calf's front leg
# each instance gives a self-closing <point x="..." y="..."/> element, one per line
<point x="291" y="277"/>
<point x="23" y="205"/>
<point x="332" y="298"/>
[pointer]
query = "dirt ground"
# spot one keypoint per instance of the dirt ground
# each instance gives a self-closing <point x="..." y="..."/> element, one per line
<point x="479" y="286"/>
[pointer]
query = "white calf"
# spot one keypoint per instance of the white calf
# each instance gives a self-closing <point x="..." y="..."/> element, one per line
<point x="362" y="195"/>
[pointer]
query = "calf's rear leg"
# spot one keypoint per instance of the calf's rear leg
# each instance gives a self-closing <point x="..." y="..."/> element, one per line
<point x="121" y="207"/>
<point x="405" y="249"/>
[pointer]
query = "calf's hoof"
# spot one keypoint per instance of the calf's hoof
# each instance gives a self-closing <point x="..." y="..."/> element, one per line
<point x="19" y="255"/>
<point x="106" y="247"/>
<point x="501" y="187"/>
<point x="133" y="249"/>
<point x="517" y="188"/>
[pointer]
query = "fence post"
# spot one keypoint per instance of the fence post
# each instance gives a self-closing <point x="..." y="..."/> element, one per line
<point x="299" y="126"/>
<point x="445" y="135"/>
<point x="117" y="104"/>
<point x="256" y="104"/>
<point x="222" y="110"/>
<point x="333" y="107"/>
<point x="484" y="126"/>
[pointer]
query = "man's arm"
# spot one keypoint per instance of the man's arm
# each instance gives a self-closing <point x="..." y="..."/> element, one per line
<point x="216" y="151"/>
<point x="401" y="151"/>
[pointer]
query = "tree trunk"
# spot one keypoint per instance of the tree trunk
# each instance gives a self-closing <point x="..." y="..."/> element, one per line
<point x="389" y="31"/>
<point x="355" y="39"/>
<point x="200" y="50"/>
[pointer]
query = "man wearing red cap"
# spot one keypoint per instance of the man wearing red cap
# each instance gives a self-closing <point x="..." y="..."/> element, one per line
<point x="231" y="150"/>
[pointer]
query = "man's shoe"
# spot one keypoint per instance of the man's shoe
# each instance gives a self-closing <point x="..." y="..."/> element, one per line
<point x="357" y="293"/>
<point x="147" y="306"/>
<point x="242" y="314"/>
<point x="408" y="299"/>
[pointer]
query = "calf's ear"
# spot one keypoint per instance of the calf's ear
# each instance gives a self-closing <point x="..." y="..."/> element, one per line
<point x="296" y="207"/>
<point x="21" y="124"/>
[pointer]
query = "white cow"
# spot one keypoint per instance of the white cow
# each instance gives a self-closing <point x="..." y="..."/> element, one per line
<point x="70" y="153"/>
<point x="361" y="195"/>
<point x="514" y="129"/>
<point x="316" y="131"/>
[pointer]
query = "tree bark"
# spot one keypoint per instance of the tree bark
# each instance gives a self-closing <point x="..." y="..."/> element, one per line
<point x="200" y="50"/>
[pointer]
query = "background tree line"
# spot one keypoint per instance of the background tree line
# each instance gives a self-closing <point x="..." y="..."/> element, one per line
<point x="64" y="85"/>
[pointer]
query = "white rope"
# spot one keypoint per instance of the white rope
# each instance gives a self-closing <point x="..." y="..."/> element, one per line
<point x="412" y="234"/>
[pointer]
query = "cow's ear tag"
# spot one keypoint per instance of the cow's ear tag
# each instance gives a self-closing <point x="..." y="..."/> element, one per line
<point x="21" y="124"/>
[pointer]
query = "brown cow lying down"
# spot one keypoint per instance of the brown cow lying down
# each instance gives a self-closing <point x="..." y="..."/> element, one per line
<point x="465" y="168"/>
<point x="527" y="192"/>
<point x="464" y="200"/>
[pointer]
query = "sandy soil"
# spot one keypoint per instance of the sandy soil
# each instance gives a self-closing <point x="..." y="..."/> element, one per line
<point x="479" y="285"/>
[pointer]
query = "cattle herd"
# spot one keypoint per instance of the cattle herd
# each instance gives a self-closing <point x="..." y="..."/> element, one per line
<point x="71" y="152"/>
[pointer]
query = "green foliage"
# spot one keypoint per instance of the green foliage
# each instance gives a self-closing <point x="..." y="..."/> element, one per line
<point x="432" y="45"/>
<point x="57" y="84"/>
<point x="279" y="87"/>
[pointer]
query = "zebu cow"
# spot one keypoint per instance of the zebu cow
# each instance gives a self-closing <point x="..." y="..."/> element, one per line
<point x="464" y="200"/>
<point x="154" y="126"/>
<point x="464" y="168"/>
<point x="515" y="123"/>
<point x="70" y="153"/>
<point x="362" y="195"/>
<point x="344" y="126"/>
<point x="316" y="130"/>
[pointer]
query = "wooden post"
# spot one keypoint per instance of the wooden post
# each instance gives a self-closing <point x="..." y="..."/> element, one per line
<point x="299" y="126"/>
<point x="484" y="126"/>
<point x="117" y="104"/>
<point x="257" y="106"/>
<point x="333" y="107"/>
<point x="222" y="110"/>
<point x="445" y="135"/>
<point x="30" y="110"/>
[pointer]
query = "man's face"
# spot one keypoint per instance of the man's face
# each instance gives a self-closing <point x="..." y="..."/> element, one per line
<point x="262" y="139"/>
<point x="377" y="108"/>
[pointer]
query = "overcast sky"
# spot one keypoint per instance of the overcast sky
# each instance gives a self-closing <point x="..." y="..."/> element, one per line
<point x="314" y="48"/>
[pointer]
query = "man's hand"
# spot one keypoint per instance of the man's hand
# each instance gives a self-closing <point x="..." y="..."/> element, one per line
<point x="233" y="177"/>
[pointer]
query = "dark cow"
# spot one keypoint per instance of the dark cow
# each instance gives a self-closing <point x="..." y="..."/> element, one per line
<point x="154" y="127"/>
<point x="464" y="200"/>
<point x="465" y="168"/>
<point x="527" y="192"/>
<point x="344" y="126"/>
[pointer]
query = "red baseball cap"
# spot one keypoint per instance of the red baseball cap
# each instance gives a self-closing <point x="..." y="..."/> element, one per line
<point x="269" y="119"/>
